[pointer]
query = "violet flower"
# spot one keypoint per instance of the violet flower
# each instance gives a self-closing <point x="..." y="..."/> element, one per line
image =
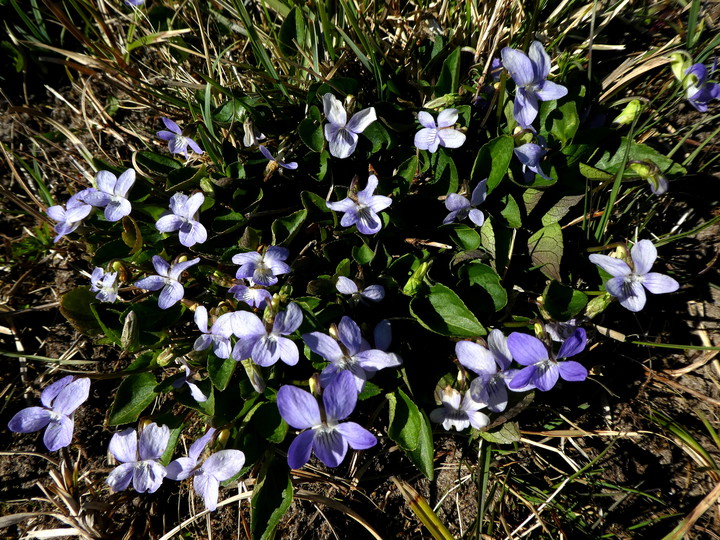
<point x="139" y="462"/>
<point x="543" y="369"/>
<point x="530" y="73"/>
<point x="217" y="468"/>
<point x="459" y="411"/>
<point x="104" y="284"/>
<point x="265" y="152"/>
<point x="353" y="354"/>
<point x="341" y="135"/>
<point x="492" y="366"/>
<point x="326" y="435"/>
<point x="219" y="334"/>
<point x="264" y="346"/>
<point x="698" y="91"/>
<point x="443" y="133"/>
<point x="530" y="155"/>
<point x="460" y="207"/>
<point x="111" y="193"/>
<point x="263" y="269"/>
<point x="361" y="209"/>
<point x="627" y="283"/>
<point x="256" y="297"/>
<point x="183" y="217"/>
<point x="374" y="293"/>
<point x="70" y="217"/>
<point x="177" y="142"/>
<point x="59" y="401"/>
<point x="188" y="380"/>
<point x="560" y="331"/>
<point x="134" y="3"/>
<point x="168" y="279"/>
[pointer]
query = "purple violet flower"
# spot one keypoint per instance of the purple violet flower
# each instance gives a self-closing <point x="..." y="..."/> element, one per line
<point x="459" y="411"/>
<point x="530" y="155"/>
<point x="560" y="331"/>
<point x="325" y="434"/>
<point x="104" y="284"/>
<point x="264" y="346"/>
<point x="341" y="135"/>
<point x="698" y="91"/>
<point x="265" y="152"/>
<point x="111" y="193"/>
<point x="353" y="354"/>
<point x="443" y="133"/>
<point x="361" y="209"/>
<point x="460" y="207"/>
<point x="134" y="3"/>
<point x="168" y="279"/>
<point x="263" y="269"/>
<point x="374" y="293"/>
<point x="627" y="284"/>
<point x="188" y="379"/>
<point x="177" y="142"/>
<point x="250" y="294"/>
<point x="70" y="217"/>
<point x="219" y="334"/>
<point x="183" y="216"/>
<point x="543" y="370"/>
<point x="492" y="366"/>
<point x="59" y="401"/>
<point x="530" y="73"/>
<point x="217" y="468"/>
<point x="139" y="462"/>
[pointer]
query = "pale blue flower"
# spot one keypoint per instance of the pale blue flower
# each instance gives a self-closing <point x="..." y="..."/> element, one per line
<point x="265" y="152"/>
<point x="70" y="217"/>
<point x="139" y="462"/>
<point x="341" y="135"/>
<point x="459" y="411"/>
<point x="111" y="193"/>
<point x="104" y="284"/>
<point x="177" y="142"/>
<point x="167" y="279"/>
<point x="698" y="91"/>
<point x="443" y="133"/>
<point x="264" y="346"/>
<point x="530" y="155"/>
<point x="325" y="434"/>
<point x="262" y="269"/>
<point x="183" y="218"/>
<point x="460" y="207"/>
<point x="373" y="293"/>
<point x="530" y="73"/>
<point x="361" y="209"/>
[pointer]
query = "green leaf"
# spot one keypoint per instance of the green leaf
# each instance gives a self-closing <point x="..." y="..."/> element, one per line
<point x="285" y="229"/>
<point x="414" y="282"/>
<point x="157" y="163"/>
<point x="220" y="370"/>
<point x="410" y="429"/>
<point x="268" y="424"/>
<point x="362" y="253"/>
<point x="292" y="32"/>
<point x="441" y="311"/>
<point x="449" y="80"/>
<point x="483" y="276"/>
<point x="75" y="307"/>
<point x="378" y="136"/>
<point x="563" y="302"/>
<point x="563" y="206"/>
<point x="229" y="112"/>
<point x="494" y="156"/>
<point x="271" y="498"/>
<point x="511" y="212"/>
<point x="509" y="433"/>
<point x="591" y="173"/>
<point x="408" y="169"/>
<point x="565" y="122"/>
<point x="311" y="131"/>
<point x="498" y="241"/>
<point x="465" y="237"/>
<point x="546" y="250"/>
<point x="611" y="163"/>
<point x="132" y="397"/>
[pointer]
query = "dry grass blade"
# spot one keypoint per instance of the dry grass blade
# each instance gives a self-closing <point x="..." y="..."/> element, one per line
<point x="422" y="510"/>
<point x="239" y="497"/>
<point x="686" y="524"/>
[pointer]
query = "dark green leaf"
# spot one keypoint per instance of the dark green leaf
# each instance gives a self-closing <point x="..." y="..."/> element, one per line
<point x="482" y="275"/>
<point x="465" y="237"/>
<point x="611" y="162"/>
<point x="492" y="161"/>
<point x="562" y="302"/>
<point x="511" y="212"/>
<point x="449" y="80"/>
<point x="220" y="370"/>
<point x="442" y="311"/>
<point x="292" y="32"/>
<point x="268" y="424"/>
<point x="557" y="212"/>
<point x="285" y="229"/>
<point x="157" y="163"/>
<point x="509" y="433"/>
<point x="271" y="498"/>
<point x="410" y="429"/>
<point x="311" y="133"/>
<point x="362" y="253"/>
<point x="75" y="307"/>
<point x="132" y="397"/>
<point x="546" y="250"/>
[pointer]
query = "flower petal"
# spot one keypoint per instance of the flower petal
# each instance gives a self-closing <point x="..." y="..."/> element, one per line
<point x="178" y="268"/>
<point x="475" y="357"/>
<point x="519" y="65"/>
<point x="427" y="139"/>
<point x="451" y="138"/>
<point x="298" y="407"/>
<point x="426" y="120"/>
<point x="151" y="283"/>
<point x="198" y="446"/>
<point x="148" y="478"/>
<point x="477" y="217"/>
<point x="643" y="255"/>
<point x="540" y="60"/>
<point x="52" y="391"/>
<point x="573" y="345"/>
<point x="300" y="449"/>
<point x="479" y="193"/>
<point x="659" y="283"/>
<point x="323" y="345"/>
<point x="523" y="378"/>
<point x="194" y="146"/>
<point x="447" y="118"/>
<point x="334" y="111"/>
<point x="29" y="420"/>
<point x="117" y="209"/>
<point x="635" y="298"/>
<point x="172" y="126"/>
<point x="207" y="487"/>
<point x="361" y="120"/>
<point x="224" y="464"/>
<point x="181" y="468"/>
<point x="330" y="447"/>
<point x="572" y="371"/>
<point x="340" y="396"/>
<point x="72" y="396"/>
<point x="289" y="320"/>
<point x="374" y="293"/>
<point x="170" y="295"/>
<point x="356" y="436"/>
<point x="153" y="441"/>
<point x="105" y="181"/>
<point x="525" y="349"/>
<point x="546" y="377"/>
<point x="288" y="351"/>
<point x="549" y="91"/>
<point x="614" y="267"/>
<point x="120" y="477"/>
<point x="342" y="144"/>
<point x="123" y="446"/>
<point x="124" y="182"/>
<point x="191" y="233"/>
<point x="525" y="108"/>
<point x="374" y="360"/>
<point x="346" y="285"/>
